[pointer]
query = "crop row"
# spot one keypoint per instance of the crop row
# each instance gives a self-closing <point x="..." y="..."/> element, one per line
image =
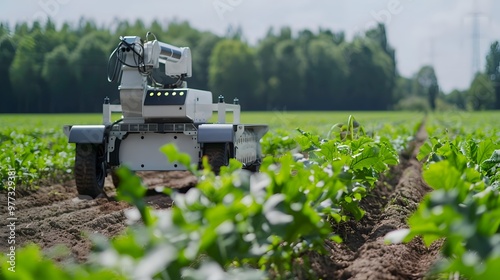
<point x="241" y="225"/>
<point x="36" y="155"/>
<point x="462" y="165"/>
<point x="37" y="149"/>
<point x="246" y="224"/>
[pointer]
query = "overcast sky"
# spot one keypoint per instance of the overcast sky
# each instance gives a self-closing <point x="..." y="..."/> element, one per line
<point x="422" y="31"/>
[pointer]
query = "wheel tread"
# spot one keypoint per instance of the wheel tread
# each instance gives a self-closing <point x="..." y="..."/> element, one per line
<point x="218" y="155"/>
<point x="86" y="170"/>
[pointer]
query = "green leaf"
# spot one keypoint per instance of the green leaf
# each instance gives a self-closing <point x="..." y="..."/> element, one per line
<point x="131" y="189"/>
<point x="425" y="151"/>
<point x="329" y="150"/>
<point x="424" y="227"/>
<point x="389" y="155"/>
<point x="31" y="264"/>
<point x="368" y="158"/>
<point x="472" y="175"/>
<point x="442" y="175"/>
<point x="336" y="238"/>
<point x="492" y="161"/>
<point x="354" y="209"/>
<point x="365" y="159"/>
<point x="127" y="245"/>
<point x="359" y="143"/>
<point x="471" y="150"/>
<point x="484" y="151"/>
<point x="358" y="196"/>
<point x="491" y="269"/>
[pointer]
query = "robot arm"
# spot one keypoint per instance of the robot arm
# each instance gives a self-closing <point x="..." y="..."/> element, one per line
<point x="177" y="60"/>
<point x="145" y="57"/>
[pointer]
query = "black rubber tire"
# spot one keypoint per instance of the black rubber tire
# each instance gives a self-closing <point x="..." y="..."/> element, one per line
<point x="90" y="171"/>
<point x="218" y="155"/>
<point x="115" y="179"/>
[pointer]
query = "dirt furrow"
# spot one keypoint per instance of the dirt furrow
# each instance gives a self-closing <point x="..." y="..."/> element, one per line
<point x="364" y="254"/>
<point x="377" y="260"/>
<point x="56" y="215"/>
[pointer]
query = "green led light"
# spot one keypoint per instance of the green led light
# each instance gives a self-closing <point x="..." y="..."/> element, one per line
<point x="159" y="94"/>
<point x="151" y="94"/>
<point x="182" y="93"/>
<point x="174" y="93"/>
<point x="166" y="93"/>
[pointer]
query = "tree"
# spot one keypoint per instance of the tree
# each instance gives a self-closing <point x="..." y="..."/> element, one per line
<point x="233" y="73"/>
<point x="4" y="29"/>
<point x="182" y="34"/>
<point x="201" y="60"/>
<point x="21" y="29"/>
<point x="266" y="63"/>
<point x="403" y="89"/>
<point x="24" y="74"/>
<point x="457" y="98"/>
<point x="91" y="57"/>
<point x="336" y="38"/>
<point x="379" y="35"/>
<point x="481" y="94"/>
<point x="234" y="33"/>
<point x="493" y="70"/>
<point x="427" y="85"/>
<point x="43" y="66"/>
<point x="371" y="75"/>
<point x="57" y="72"/>
<point x="305" y="37"/>
<point x="433" y="94"/>
<point x="156" y="28"/>
<point x="26" y="69"/>
<point x="7" y="51"/>
<point x="285" y="34"/>
<point x="326" y="75"/>
<point x="68" y="37"/>
<point x="288" y="83"/>
<point x="85" y="26"/>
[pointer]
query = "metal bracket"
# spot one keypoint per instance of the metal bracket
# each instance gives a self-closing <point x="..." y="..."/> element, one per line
<point x="87" y="134"/>
<point x="215" y="133"/>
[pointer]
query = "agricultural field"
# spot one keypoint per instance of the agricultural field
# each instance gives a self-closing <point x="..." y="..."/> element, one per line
<point x="381" y="195"/>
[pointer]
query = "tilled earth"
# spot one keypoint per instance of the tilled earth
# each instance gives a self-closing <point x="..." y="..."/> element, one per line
<point x="364" y="254"/>
<point x="56" y="215"/>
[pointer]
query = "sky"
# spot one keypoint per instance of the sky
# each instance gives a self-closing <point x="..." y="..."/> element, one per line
<point x="423" y="32"/>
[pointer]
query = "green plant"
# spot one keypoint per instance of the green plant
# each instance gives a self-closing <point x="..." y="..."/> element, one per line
<point x="35" y="155"/>
<point x="464" y="208"/>
<point x="241" y="224"/>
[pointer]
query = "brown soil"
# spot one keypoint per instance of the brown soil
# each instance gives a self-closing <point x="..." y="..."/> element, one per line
<point x="364" y="254"/>
<point x="55" y="215"/>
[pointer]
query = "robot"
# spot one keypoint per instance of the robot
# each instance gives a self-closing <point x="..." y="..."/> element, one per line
<point x="156" y="112"/>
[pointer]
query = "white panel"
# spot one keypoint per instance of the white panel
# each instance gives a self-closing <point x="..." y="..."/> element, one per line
<point x="165" y="111"/>
<point x="197" y="108"/>
<point x="197" y="112"/>
<point x="141" y="152"/>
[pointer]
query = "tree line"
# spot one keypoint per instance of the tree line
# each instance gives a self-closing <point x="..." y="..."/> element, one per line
<point x="45" y="69"/>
